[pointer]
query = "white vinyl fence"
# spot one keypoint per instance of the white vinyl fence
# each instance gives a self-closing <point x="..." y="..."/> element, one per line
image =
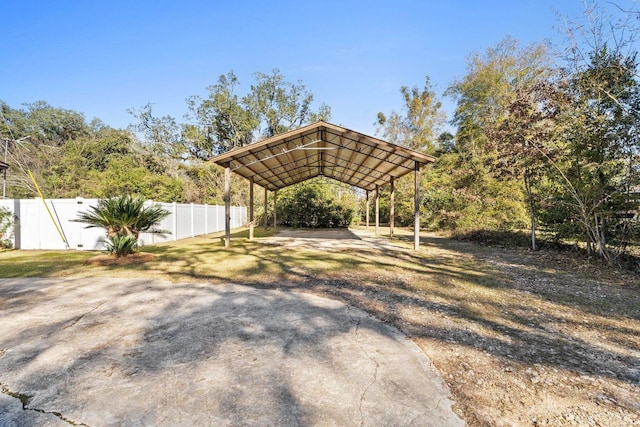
<point x="36" y="230"/>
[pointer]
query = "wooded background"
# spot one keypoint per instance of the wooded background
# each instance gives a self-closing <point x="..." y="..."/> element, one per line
<point x="540" y="139"/>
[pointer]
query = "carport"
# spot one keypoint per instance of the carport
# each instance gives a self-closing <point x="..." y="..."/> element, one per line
<point x="323" y="149"/>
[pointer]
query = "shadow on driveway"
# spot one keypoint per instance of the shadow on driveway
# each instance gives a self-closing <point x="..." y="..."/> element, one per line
<point x="142" y="352"/>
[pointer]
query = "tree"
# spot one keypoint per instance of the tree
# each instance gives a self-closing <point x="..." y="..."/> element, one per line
<point x="415" y="127"/>
<point x="42" y="123"/>
<point x="418" y="126"/>
<point x="281" y="105"/>
<point x="598" y="143"/>
<point x="221" y="121"/>
<point x="205" y="184"/>
<point x="490" y="86"/>
<point x="522" y="140"/>
<point x="460" y="193"/>
<point x="162" y="135"/>
<point x="95" y="160"/>
<point x="498" y="113"/>
<point x="36" y="133"/>
<point x="592" y="153"/>
<point x="446" y="143"/>
<point x="224" y="120"/>
<point x="124" y="218"/>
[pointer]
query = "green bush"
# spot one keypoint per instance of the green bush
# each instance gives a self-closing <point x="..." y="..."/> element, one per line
<point x="121" y="245"/>
<point x="461" y="193"/>
<point x="124" y="218"/>
<point x="7" y="220"/>
<point x="312" y="204"/>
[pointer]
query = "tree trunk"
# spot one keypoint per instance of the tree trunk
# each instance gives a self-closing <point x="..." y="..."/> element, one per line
<point x="527" y="184"/>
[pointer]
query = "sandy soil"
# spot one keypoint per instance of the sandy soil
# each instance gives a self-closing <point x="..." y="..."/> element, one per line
<point x="521" y="338"/>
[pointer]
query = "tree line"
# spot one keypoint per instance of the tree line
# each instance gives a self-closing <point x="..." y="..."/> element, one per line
<point x="542" y="139"/>
<point x="539" y="139"/>
<point x="157" y="157"/>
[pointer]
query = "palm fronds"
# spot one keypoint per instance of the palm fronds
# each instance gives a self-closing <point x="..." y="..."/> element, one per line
<point x="124" y="216"/>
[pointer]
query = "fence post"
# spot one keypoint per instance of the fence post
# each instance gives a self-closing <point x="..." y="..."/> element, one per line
<point x="175" y="221"/>
<point x="80" y="243"/>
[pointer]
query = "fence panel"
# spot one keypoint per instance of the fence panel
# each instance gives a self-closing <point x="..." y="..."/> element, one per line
<point x="36" y="230"/>
<point x="219" y="217"/>
<point x="212" y="217"/>
<point x="182" y="221"/>
<point x="199" y="220"/>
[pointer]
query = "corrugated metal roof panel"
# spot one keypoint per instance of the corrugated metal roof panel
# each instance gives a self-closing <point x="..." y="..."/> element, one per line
<point x="322" y="149"/>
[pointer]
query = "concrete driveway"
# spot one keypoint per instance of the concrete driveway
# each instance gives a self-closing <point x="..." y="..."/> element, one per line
<point x="103" y="352"/>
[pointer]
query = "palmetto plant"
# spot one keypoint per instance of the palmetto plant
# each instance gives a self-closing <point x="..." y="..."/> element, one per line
<point x="124" y="218"/>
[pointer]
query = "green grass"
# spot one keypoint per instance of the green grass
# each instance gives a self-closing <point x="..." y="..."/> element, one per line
<point x="247" y="261"/>
<point x="205" y="258"/>
<point x="187" y="253"/>
<point x="451" y="275"/>
<point x="18" y="263"/>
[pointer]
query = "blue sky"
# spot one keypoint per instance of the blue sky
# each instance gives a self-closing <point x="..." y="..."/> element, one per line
<point x="102" y="58"/>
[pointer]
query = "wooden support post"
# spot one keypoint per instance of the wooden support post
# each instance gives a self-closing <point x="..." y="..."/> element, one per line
<point x="266" y="206"/>
<point x="416" y="209"/>
<point x="377" y="210"/>
<point x="251" y="208"/>
<point x="392" y="207"/>
<point x="367" y="207"/>
<point x="275" y="208"/>
<point x="227" y="207"/>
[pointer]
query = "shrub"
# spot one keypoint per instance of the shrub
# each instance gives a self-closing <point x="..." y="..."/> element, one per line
<point x="7" y="221"/>
<point x="121" y="245"/>
<point x="311" y="204"/>
<point x="124" y="218"/>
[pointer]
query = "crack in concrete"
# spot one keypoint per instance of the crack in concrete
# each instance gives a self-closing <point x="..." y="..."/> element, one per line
<point x="375" y="372"/>
<point x="426" y="412"/>
<point x="75" y="321"/>
<point x="24" y="400"/>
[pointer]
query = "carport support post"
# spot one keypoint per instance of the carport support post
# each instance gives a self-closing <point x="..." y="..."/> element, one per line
<point x="251" y="208"/>
<point x="377" y="209"/>
<point x="367" y="207"/>
<point x="392" y="207"/>
<point x="416" y="207"/>
<point x="266" y="219"/>
<point x="227" y="207"/>
<point x="275" y="206"/>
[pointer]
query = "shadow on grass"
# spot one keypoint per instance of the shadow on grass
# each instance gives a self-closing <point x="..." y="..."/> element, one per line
<point x="521" y="322"/>
<point x="492" y="311"/>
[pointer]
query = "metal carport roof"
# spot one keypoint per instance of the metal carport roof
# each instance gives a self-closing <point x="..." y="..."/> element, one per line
<point x="322" y="149"/>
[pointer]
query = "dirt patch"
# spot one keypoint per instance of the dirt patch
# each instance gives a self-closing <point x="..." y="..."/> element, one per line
<point x="328" y="239"/>
<point x="111" y="260"/>
<point x="521" y="338"/>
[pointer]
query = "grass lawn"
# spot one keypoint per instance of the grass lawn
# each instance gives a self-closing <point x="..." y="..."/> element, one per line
<point x="521" y="338"/>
